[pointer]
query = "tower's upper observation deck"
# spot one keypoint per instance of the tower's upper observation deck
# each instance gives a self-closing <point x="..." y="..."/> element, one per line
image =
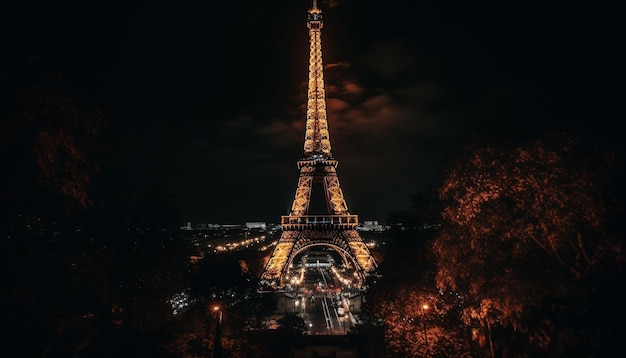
<point x="315" y="17"/>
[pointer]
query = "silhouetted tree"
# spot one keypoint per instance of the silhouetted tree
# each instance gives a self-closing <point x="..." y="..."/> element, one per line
<point x="395" y="304"/>
<point x="76" y="282"/>
<point x="53" y="137"/>
<point x="526" y="242"/>
<point x="292" y="324"/>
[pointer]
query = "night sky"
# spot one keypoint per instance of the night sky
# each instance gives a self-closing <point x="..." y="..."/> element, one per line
<point x="210" y="96"/>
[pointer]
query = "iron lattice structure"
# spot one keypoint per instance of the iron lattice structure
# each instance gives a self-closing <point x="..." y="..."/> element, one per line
<point x="337" y="228"/>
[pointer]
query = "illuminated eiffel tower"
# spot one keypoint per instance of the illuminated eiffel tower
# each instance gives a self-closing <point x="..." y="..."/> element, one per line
<point x="337" y="228"/>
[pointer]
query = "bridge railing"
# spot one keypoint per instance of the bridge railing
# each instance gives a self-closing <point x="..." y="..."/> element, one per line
<point x="303" y="222"/>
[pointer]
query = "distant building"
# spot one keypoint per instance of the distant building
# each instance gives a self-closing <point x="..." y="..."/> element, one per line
<point x="255" y="225"/>
<point x="205" y="226"/>
<point x="200" y="226"/>
<point x="371" y="225"/>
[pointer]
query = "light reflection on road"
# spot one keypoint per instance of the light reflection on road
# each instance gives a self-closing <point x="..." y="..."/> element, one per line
<point x="320" y="306"/>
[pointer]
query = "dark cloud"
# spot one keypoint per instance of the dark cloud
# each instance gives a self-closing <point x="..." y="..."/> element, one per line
<point x="212" y="96"/>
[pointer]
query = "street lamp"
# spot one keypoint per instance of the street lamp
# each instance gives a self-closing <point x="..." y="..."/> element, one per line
<point x="217" y="344"/>
<point x="424" y="308"/>
<point x="216" y="309"/>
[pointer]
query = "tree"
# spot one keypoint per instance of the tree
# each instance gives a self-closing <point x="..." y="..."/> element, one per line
<point x="394" y="319"/>
<point x="292" y="324"/>
<point x="51" y="140"/>
<point x="79" y="285"/>
<point x="526" y="228"/>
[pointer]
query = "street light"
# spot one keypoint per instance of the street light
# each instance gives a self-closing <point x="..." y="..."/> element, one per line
<point x="216" y="309"/>
<point x="424" y="308"/>
<point x="217" y="344"/>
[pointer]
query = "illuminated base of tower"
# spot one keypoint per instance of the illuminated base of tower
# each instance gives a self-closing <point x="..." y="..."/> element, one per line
<point x="348" y="244"/>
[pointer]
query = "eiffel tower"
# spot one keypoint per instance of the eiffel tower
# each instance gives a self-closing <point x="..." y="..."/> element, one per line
<point x="337" y="227"/>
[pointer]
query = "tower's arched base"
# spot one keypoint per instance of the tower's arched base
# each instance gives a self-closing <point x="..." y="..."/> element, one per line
<point x="348" y="243"/>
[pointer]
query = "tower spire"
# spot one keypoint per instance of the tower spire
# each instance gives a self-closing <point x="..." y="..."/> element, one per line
<point x="316" y="138"/>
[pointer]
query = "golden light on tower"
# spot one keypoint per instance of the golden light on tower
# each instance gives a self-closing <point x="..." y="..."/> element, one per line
<point x="337" y="228"/>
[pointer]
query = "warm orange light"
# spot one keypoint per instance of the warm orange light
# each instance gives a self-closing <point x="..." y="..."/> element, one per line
<point x="216" y="308"/>
<point x="425" y="307"/>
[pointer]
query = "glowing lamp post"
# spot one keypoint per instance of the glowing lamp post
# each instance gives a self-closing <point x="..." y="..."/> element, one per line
<point x="424" y="308"/>
<point x="217" y="344"/>
<point x="217" y="310"/>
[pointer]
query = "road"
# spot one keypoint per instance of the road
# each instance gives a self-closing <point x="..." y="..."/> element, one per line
<point x="325" y="311"/>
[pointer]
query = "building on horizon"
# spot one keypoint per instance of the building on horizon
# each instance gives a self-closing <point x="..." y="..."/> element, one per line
<point x="371" y="225"/>
<point x="256" y="225"/>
